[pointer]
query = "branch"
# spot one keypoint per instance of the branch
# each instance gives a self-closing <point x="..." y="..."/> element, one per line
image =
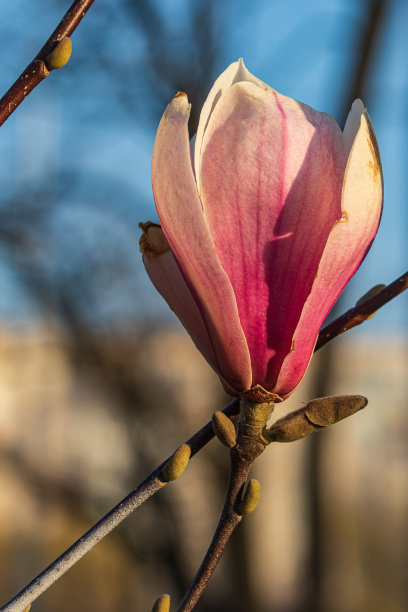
<point x="229" y="520"/>
<point x="106" y="524"/>
<point x="362" y="312"/>
<point x="249" y="444"/>
<point x="152" y="483"/>
<point x="37" y="69"/>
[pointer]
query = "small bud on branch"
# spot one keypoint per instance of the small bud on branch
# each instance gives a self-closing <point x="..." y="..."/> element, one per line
<point x="53" y="54"/>
<point x="318" y="413"/>
<point x="162" y="604"/>
<point x="224" y="429"/>
<point x="250" y="498"/>
<point x="60" y="55"/>
<point x="177" y="463"/>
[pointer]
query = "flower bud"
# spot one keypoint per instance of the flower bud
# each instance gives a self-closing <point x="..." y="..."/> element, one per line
<point x="320" y="412"/>
<point x="265" y="227"/>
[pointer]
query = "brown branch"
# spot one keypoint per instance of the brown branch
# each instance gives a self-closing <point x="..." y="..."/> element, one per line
<point x="106" y="524"/>
<point x="37" y="70"/>
<point x="362" y="312"/>
<point x="229" y="520"/>
<point x="250" y="444"/>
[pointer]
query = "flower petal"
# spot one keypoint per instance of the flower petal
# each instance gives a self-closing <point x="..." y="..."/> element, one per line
<point x="235" y="73"/>
<point x="347" y="245"/>
<point x="183" y="223"/>
<point x="165" y="275"/>
<point x="271" y="172"/>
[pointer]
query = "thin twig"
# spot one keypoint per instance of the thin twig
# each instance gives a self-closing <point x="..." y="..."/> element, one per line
<point x="152" y="483"/>
<point x="36" y="70"/>
<point x="229" y="520"/>
<point x="106" y="524"/>
<point x="250" y="444"/>
<point x="82" y="546"/>
<point x="362" y="312"/>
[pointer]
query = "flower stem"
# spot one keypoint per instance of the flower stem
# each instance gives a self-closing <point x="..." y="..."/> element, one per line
<point x="229" y="519"/>
<point x="250" y="444"/>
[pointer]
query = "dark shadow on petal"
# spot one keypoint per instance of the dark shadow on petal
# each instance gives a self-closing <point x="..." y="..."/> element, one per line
<point x="292" y="258"/>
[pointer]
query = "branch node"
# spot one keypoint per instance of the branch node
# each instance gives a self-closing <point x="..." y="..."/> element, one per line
<point x="368" y="294"/>
<point x="254" y="416"/>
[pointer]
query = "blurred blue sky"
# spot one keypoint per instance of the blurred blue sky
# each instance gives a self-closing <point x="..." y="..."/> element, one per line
<point x="75" y="128"/>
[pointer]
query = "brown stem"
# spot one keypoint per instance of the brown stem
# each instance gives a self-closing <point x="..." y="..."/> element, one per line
<point x="362" y="312"/>
<point x="36" y="70"/>
<point x="228" y="521"/>
<point x="250" y="444"/>
<point x="114" y="517"/>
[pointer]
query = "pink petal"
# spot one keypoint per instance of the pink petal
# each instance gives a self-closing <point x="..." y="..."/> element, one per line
<point x="235" y="73"/>
<point x="165" y="275"/>
<point x="271" y="171"/>
<point x="347" y="245"/>
<point x="183" y="223"/>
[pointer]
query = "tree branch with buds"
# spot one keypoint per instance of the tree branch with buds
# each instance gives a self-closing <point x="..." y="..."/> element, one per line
<point x="54" y="54"/>
<point x="366" y="308"/>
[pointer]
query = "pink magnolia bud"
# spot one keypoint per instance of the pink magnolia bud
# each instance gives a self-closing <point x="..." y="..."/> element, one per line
<point x="266" y="230"/>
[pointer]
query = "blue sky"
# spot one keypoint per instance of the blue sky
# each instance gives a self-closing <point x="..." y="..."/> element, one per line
<point x="73" y="121"/>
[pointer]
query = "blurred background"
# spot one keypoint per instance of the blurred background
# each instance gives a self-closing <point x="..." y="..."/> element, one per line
<point x="99" y="382"/>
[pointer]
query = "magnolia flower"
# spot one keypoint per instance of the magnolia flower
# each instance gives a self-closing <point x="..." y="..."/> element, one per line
<point x="261" y="233"/>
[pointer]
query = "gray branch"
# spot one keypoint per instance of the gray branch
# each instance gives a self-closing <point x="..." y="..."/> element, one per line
<point x="105" y="525"/>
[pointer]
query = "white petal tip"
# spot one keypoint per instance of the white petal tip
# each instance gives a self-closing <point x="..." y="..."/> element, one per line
<point x="179" y="106"/>
<point x="358" y="106"/>
<point x="354" y="122"/>
<point x="243" y="75"/>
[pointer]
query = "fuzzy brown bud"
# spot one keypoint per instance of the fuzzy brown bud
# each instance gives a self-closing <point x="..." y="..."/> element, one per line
<point x="320" y="412"/>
